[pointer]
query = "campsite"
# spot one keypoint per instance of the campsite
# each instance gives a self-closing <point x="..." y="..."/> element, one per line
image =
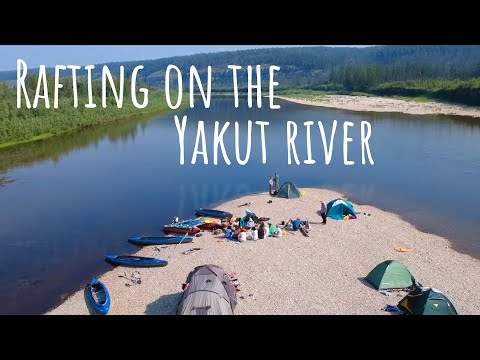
<point x="338" y="269"/>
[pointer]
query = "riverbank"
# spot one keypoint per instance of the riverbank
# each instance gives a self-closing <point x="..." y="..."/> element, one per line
<point x="26" y="125"/>
<point x="321" y="274"/>
<point x="383" y="104"/>
<point x="103" y="122"/>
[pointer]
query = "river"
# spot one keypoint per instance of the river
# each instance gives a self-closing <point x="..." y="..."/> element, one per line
<point x="67" y="201"/>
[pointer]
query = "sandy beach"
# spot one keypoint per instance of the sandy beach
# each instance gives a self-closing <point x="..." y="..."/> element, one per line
<point x="320" y="274"/>
<point x="381" y="104"/>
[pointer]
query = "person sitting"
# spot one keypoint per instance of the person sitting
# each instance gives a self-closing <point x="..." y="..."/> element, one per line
<point x="254" y="234"/>
<point x="266" y="230"/>
<point x="278" y="231"/>
<point x="229" y="232"/>
<point x="271" y="229"/>
<point x="261" y="231"/>
<point x="296" y="224"/>
<point x="242" y="237"/>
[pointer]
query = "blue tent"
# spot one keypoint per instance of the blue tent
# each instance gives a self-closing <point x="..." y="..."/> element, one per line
<point x="338" y="208"/>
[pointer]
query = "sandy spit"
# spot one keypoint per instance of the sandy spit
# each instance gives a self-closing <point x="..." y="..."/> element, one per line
<point x="321" y="274"/>
<point x="380" y="104"/>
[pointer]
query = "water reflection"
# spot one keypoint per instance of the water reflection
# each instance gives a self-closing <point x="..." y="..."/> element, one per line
<point x="24" y="155"/>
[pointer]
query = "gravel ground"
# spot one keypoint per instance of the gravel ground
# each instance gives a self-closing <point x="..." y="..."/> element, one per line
<point x="382" y="104"/>
<point x="320" y="274"/>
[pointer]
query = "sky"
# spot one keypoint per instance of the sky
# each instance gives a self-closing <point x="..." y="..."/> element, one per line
<point x="51" y="55"/>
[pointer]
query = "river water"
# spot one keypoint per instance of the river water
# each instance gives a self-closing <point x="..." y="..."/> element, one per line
<point x="67" y="201"/>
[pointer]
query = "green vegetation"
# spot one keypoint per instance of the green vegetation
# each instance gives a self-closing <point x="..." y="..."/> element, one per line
<point x="419" y="99"/>
<point x="20" y="125"/>
<point x="461" y="91"/>
<point x="379" y="80"/>
<point x="303" y="94"/>
<point x="420" y="73"/>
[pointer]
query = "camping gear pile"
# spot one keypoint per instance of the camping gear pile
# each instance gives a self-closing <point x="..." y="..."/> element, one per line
<point x="393" y="275"/>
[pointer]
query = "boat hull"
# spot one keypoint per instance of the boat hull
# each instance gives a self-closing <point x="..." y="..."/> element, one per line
<point x="135" y="261"/>
<point x="167" y="229"/>
<point x="159" y="240"/>
<point x="213" y="213"/>
<point x="99" y="297"/>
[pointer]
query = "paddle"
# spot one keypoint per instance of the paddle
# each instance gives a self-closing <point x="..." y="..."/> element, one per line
<point x="169" y="256"/>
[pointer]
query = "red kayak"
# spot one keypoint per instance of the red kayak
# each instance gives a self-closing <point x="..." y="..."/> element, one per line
<point x="183" y="227"/>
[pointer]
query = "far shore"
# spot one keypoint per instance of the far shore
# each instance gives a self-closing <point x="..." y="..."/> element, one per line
<point x="320" y="274"/>
<point x="383" y="104"/>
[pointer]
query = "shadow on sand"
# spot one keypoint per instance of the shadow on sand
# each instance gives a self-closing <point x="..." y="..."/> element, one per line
<point x="165" y="305"/>
<point x="364" y="281"/>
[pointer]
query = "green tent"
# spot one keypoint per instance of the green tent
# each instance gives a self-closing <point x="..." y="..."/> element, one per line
<point x="289" y="191"/>
<point x="426" y="301"/>
<point x="391" y="274"/>
<point x="338" y="208"/>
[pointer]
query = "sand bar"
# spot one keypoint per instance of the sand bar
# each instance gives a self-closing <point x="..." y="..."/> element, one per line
<point x="321" y="274"/>
<point x="382" y="104"/>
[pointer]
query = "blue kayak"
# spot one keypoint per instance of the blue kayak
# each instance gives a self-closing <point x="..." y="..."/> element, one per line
<point x="159" y="240"/>
<point x="213" y="213"/>
<point x="98" y="296"/>
<point x="135" y="261"/>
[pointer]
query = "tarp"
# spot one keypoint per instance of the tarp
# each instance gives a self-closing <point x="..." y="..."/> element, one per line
<point x="338" y="208"/>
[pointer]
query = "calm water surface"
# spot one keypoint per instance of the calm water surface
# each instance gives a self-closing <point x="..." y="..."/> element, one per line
<point x="68" y="201"/>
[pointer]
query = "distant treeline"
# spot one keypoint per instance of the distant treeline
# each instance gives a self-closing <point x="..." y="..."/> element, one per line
<point x="461" y="85"/>
<point x="25" y="124"/>
<point x="309" y="66"/>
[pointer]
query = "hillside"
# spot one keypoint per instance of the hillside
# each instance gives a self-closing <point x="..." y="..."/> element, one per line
<point x="313" y="66"/>
<point x="442" y="72"/>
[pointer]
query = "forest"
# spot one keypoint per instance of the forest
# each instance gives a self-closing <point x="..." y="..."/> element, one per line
<point x="23" y="124"/>
<point x="448" y="73"/>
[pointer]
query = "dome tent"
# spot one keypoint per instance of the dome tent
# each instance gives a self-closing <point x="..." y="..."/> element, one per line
<point x="289" y="191"/>
<point x="208" y="290"/>
<point x="338" y="208"/>
<point x="391" y="274"/>
<point x="426" y="301"/>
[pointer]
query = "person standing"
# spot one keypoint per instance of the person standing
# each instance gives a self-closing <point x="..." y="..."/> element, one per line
<point x="277" y="182"/>
<point x="270" y="183"/>
<point x="323" y="212"/>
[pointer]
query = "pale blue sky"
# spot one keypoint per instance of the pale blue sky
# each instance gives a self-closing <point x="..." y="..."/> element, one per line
<point x="50" y="55"/>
